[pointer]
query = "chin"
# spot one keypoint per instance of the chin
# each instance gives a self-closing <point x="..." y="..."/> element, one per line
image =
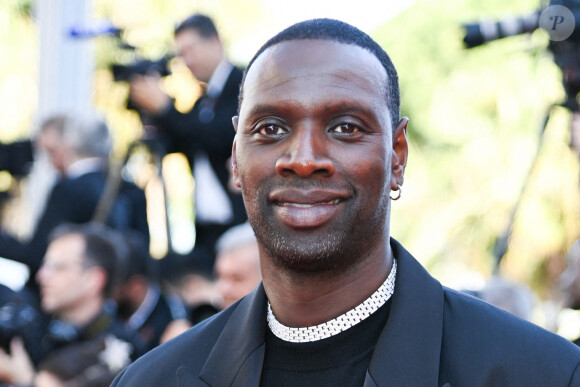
<point x="47" y="307"/>
<point x="311" y="256"/>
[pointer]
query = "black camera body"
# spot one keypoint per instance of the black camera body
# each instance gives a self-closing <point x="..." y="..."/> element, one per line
<point x="16" y="157"/>
<point x="16" y="319"/>
<point x="124" y="73"/>
<point x="20" y="317"/>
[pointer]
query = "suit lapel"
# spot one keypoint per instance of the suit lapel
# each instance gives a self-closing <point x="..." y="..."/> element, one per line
<point x="408" y="350"/>
<point x="237" y="357"/>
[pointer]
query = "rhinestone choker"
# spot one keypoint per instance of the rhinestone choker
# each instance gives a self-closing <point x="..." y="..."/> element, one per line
<point x="340" y="323"/>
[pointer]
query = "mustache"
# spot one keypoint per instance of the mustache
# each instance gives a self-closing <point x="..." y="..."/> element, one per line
<point x="308" y="184"/>
<point x="305" y="189"/>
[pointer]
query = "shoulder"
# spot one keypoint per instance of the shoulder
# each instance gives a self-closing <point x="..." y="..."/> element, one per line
<point x="483" y="337"/>
<point x="190" y="349"/>
<point x="87" y="182"/>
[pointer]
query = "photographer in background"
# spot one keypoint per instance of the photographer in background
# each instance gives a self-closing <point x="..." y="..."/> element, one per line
<point x="204" y="134"/>
<point x="81" y="267"/>
<point x="78" y="146"/>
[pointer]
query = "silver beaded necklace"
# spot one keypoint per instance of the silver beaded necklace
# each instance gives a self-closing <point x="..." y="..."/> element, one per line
<point x="340" y="323"/>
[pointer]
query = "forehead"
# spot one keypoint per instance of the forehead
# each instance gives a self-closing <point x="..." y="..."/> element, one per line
<point x="295" y="68"/>
<point x="66" y="248"/>
<point x="189" y="37"/>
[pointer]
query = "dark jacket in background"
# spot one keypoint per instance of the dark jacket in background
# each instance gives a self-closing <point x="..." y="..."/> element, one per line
<point x="74" y="200"/>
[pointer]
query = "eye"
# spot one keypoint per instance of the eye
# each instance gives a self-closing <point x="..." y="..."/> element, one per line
<point x="271" y="130"/>
<point x="346" y="128"/>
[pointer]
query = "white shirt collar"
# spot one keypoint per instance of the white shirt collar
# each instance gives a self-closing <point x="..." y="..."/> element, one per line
<point x="219" y="77"/>
<point x="84" y="166"/>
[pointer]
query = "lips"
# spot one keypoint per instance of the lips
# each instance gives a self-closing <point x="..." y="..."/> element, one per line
<point x="307" y="209"/>
<point x="307" y="205"/>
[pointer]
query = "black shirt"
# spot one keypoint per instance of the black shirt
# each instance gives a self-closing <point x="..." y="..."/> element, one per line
<point x="340" y="360"/>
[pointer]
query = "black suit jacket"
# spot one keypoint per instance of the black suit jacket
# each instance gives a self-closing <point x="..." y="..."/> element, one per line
<point x="434" y="336"/>
<point x="73" y="200"/>
<point x="214" y="134"/>
<point x="167" y="308"/>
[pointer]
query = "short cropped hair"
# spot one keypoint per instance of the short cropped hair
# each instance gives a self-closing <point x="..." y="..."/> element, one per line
<point x="235" y="237"/>
<point x="100" y="249"/>
<point x="338" y="31"/>
<point x="201" y="24"/>
<point x="138" y="261"/>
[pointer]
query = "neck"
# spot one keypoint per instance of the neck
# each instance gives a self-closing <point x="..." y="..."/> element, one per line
<point x="82" y="314"/>
<point x="307" y="300"/>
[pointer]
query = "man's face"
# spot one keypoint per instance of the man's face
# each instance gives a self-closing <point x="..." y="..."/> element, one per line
<point x="51" y="141"/>
<point x="201" y="55"/>
<point x="64" y="278"/>
<point x="238" y="272"/>
<point x="312" y="153"/>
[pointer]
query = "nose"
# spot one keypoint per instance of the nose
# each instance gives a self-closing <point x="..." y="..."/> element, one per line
<point x="307" y="154"/>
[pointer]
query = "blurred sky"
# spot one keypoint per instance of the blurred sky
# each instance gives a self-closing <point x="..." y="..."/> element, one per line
<point x="364" y="14"/>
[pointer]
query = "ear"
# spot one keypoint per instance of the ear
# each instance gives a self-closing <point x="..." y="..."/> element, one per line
<point x="234" y="158"/>
<point x="235" y="120"/>
<point x="400" y="153"/>
<point x="97" y="279"/>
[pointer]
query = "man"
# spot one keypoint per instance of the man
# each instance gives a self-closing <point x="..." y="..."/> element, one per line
<point x="78" y="146"/>
<point x="141" y="303"/>
<point x="319" y="146"/>
<point x="205" y="133"/>
<point x="194" y="285"/>
<point x="237" y="264"/>
<point x="77" y="276"/>
<point x="237" y="271"/>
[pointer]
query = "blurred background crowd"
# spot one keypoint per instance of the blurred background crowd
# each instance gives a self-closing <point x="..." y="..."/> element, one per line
<point x="120" y="228"/>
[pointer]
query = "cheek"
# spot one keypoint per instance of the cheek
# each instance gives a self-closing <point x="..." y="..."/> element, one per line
<point x="369" y="169"/>
<point x="254" y="169"/>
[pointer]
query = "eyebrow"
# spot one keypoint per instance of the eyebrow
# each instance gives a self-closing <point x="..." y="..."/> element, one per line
<point x="266" y="108"/>
<point x="338" y="106"/>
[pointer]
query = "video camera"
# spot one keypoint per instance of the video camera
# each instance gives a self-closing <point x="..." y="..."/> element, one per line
<point x="566" y="51"/>
<point x="124" y="73"/>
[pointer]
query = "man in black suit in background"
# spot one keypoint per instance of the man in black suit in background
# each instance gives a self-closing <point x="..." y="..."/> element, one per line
<point x="204" y="134"/>
<point x="78" y="146"/>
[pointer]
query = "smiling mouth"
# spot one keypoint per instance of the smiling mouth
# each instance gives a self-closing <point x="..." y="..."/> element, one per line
<point x="308" y="205"/>
<point x="304" y="215"/>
